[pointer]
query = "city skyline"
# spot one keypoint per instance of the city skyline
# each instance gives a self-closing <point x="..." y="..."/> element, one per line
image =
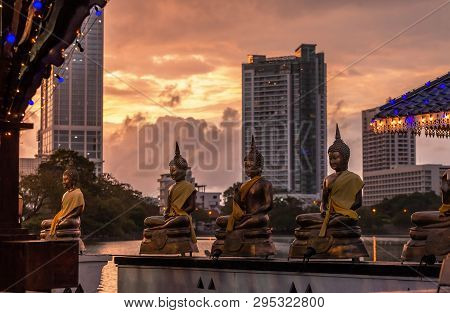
<point x="191" y="64"/>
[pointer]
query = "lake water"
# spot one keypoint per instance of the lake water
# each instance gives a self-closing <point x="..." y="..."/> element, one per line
<point x="387" y="249"/>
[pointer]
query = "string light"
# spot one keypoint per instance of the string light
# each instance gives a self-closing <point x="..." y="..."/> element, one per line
<point x="30" y="102"/>
<point x="59" y="78"/>
<point x="80" y="47"/>
<point x="10" y="38"/>
<point x="98" y="12"/>
<point x="428" y="83"/>
<point x="37" y="5"/>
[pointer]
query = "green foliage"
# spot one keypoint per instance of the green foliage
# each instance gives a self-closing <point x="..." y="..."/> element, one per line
<point x="228" y="195"/>
<point x="393" y="216"/>
<point x="284" y="212"/>
<point x="114" y="210"/>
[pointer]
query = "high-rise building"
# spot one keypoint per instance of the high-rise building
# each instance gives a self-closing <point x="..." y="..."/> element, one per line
<point x="28" y="166"/>
<point x="284" y="104"/>
<point x="72" y="98"/>
<point x="402" y="180"/>
<point x="385" y="151"/>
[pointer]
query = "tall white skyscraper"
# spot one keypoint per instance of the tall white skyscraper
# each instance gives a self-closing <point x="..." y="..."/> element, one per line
<point x="284" y="104"/>
<point x="385" y="151"/>
<point x="72" y="102"/>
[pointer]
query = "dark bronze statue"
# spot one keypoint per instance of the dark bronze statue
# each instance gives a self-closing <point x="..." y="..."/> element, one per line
<point x="173" y="233"/>
<point x="430" y="237"/>
<point x="246" y="231"/>
<point x="66" y="223"/>
<point x="333" y="233"/>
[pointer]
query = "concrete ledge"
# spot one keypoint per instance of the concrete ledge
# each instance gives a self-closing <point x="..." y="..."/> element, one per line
<point x="314" y="266"/>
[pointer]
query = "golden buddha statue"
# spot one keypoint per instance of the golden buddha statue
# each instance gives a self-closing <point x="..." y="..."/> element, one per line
<point x="66" y="223"/>
<point x="246" y="231"/>
<point x="430" y="237"/>
<point x="174" y="232"/>
<point x="333" y="233"/>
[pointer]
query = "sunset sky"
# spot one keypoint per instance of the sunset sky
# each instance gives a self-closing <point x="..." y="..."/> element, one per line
<point x="182" y="59"/>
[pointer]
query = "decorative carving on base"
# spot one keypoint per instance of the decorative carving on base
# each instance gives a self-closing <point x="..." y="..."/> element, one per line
<point x="255" y="242"/>
<point x="69" y="229"/>
<point x="168" y="241"/>
<point x="342" y="239"/>
<point x="429" y="238"/>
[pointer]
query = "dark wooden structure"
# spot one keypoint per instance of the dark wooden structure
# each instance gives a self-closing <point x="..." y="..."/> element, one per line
<point x="33" y="39"/>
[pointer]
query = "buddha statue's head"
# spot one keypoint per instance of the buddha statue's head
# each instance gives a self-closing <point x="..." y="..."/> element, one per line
<point x="339" y="153"/>
<point x="253" y="161"/>
<point x="70" y="178"/>
<point x="178" y="166"/>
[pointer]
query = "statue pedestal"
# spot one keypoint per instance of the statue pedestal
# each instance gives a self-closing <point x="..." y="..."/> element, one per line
<point x="342" y="239"/>
<point x="168" y="241"/>
<point x="430" y="237"/>
<point x="253" y="242"/>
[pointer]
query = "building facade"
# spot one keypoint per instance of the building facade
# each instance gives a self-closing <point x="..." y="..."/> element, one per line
<point x="284" y="104"/>
<point x="385" y="151"/>
<point x="165" y="181"/>
<point x="28" y="166"/>
<point x="402" y="180"/>
<point x="204" y="200"/>
<point x="72" y="98"/>
<point x="208" y="201"/>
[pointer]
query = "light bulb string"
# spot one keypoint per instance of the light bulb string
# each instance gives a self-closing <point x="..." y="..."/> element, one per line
<point x="44" y="30"/>
<point x="62" y="70"/>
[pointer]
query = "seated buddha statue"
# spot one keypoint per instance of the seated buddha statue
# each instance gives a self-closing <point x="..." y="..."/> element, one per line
<point x="333" y="233"/>
<point x="430" y="236"/>
<point x="66" y="223"/>
<point x="174" y="232"/>
<point x="246" y="231"/>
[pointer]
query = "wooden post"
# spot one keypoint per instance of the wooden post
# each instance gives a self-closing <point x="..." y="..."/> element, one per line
<point x="9" y="181"/>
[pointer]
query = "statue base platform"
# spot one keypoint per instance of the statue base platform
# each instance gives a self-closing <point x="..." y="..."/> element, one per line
<point x="339" y="248"/>
<point x="168" y="241"/>
<point x="244" y="243"/>
<point x="430" y="237"/>
<point x="198" y="274"/>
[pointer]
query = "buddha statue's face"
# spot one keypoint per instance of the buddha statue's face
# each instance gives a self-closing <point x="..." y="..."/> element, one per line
<point x="176" y="173"/>
<point x="337" y="162"/>
<point x="251" y="169"/>
<point x="67" y="182"/>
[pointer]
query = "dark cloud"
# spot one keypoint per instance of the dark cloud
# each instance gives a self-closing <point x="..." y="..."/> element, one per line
<point x="139" y="151"/>
<point x="172" y="96"/>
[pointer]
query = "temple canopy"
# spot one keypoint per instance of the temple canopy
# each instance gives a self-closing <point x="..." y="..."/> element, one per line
<point x="427" y="108"/>
<point x="34" y="36"/>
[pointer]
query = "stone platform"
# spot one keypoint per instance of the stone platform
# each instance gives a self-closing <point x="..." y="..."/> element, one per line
<point x="151" y="273"/>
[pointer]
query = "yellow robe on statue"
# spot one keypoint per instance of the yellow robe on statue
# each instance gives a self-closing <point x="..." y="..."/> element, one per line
<point x="444" y="209"/>
<point x="342" y="197"/>
<point x="237" y="212"/>
<point x="178" y="194"/>
<point x="70" y="201"/>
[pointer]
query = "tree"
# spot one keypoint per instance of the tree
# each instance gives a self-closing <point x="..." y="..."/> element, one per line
<point x="284" y="213"/>
<point x="394" y="215"/>
<point x="114" y="210"/>
<point x="228" y="195"/>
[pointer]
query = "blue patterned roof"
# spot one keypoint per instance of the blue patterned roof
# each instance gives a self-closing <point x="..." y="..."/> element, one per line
<point x="432" y="97"/>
